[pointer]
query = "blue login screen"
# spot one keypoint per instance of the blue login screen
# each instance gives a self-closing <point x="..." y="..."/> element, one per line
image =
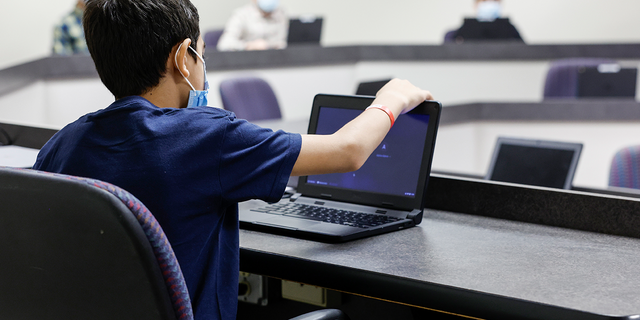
<point x="394" y="166"/>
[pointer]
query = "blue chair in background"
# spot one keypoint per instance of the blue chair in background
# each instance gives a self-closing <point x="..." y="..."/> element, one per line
<point x="562" y="77"/>
<point x="250" y="98"/>
<point x="625" y="168"/>
<point x="212" y="37"/>
<point x="450" y="36"/>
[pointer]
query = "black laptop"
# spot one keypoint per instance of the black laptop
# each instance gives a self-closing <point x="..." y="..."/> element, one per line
<point x="534" y="162"/>
<point x="305" y="30"/>
<point x="607" y="81"/>
<point x="386" y="194"/>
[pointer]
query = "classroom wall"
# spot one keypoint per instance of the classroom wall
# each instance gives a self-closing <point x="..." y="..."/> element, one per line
<point x="26" y="26"/>
<point x="368" y="22"/>
<point x="467" y="148"/>
<point x="463" y="148"/>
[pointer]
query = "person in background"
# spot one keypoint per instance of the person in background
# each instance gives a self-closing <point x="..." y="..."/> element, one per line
<point x="259" y="25"/>
<point x="68" y="36"/>
<point x="488" y="24"/>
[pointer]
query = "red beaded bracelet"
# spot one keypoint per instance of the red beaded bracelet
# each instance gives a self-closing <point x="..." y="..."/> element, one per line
<point x="386" y="110"/>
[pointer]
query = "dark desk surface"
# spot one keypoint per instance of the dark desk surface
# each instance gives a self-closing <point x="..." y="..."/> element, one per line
<point x="472" y="265"/>
<point x="486" y="250"/>
<point x="468" y="265"/>
<point x="480" y="51"/>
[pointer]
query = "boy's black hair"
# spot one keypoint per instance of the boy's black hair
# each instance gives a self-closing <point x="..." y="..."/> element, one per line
<point x="131" y="40"/>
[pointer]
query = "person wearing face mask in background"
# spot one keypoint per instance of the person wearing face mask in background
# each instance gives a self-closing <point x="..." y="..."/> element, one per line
<point x="259" y="25"/>
<point x="488" y="10"/>
<point x="488" y="25"/>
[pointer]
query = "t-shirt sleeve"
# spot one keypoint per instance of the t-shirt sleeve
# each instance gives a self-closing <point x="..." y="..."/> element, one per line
<point x="255" y="162"/>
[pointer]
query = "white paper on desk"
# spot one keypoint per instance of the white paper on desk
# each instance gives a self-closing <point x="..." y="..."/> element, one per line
<point x="18" y="157"/>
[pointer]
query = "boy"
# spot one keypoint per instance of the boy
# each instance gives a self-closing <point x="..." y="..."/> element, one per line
<point x="191" y="166"/>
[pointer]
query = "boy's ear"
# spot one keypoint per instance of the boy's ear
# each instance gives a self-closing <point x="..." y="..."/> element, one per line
<point x="180" y="59"/>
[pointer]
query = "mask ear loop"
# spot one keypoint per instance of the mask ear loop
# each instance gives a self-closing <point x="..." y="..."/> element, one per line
<point x="204" y="66"/>
<point x="179" y="70"/>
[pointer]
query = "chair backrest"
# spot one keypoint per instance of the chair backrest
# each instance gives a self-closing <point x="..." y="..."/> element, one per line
<point x="77" y="248"/>
<point x="450" y="36"/>
<point x="212" y="37"/>
<point x="562" y="77"/>
<point x="250" y="98"/>
<point x="625" y="168"/>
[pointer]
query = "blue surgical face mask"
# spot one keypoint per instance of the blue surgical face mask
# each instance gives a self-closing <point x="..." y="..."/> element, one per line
<point x="489" y="10"/>
<point x="268" y="5"/>
<point x="197" y="98"/>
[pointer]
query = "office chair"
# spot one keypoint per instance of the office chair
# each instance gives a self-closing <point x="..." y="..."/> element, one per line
<point x="562" y="77"/>
<point x="212" y="37"/>
<point x="250" y="98"/>
<point x="450" y="36"/>
<point x="625" y="168"/>
<point x="78" y="248"/>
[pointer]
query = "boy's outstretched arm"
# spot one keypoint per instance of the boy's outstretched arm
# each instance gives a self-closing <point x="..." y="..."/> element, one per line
<point x="349" y="148"/>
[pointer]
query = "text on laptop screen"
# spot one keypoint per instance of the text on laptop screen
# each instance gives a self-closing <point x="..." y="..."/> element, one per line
<point x="393" y="168"/>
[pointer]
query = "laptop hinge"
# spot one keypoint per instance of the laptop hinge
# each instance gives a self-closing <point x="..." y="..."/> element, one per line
<point x="416" y="216"/>
<point x="326" y="196"/>
<point x="387" y="204"/>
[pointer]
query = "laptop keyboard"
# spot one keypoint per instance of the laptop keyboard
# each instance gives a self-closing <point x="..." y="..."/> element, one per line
<point x="330" y="215"/>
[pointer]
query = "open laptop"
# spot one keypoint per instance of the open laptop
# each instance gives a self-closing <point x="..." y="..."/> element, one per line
<point x="534" y="162"/>
<point x="305" y="30"/>
<point x="386" y="194"/>
<point x="604" y="81"/>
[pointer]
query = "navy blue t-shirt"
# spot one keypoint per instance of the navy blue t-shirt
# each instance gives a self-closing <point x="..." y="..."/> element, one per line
<point x="190" y="167"/>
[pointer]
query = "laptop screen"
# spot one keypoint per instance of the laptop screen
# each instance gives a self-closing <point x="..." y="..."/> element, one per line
<point x="370" y="88"/>
<point x="594" y="83"/>
<point x="534" y="162"/>
<point x="396" y="174"/>
<point x="394" y="166"/>
<point x="306" y="30"/>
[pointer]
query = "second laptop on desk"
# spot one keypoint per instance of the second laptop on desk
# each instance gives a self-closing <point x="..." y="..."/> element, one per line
<point x="387" y="193"/>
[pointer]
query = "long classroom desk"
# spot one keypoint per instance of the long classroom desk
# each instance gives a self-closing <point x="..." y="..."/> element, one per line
<point x="468" y="256"/>
<point x="56" y="90"/>
<point x="484" y="250"/>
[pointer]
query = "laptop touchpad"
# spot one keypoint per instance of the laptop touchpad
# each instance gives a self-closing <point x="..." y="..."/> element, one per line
<point x="290" y="222"/>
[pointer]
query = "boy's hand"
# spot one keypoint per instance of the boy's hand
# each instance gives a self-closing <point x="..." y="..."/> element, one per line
<point x="401" y="96"/>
